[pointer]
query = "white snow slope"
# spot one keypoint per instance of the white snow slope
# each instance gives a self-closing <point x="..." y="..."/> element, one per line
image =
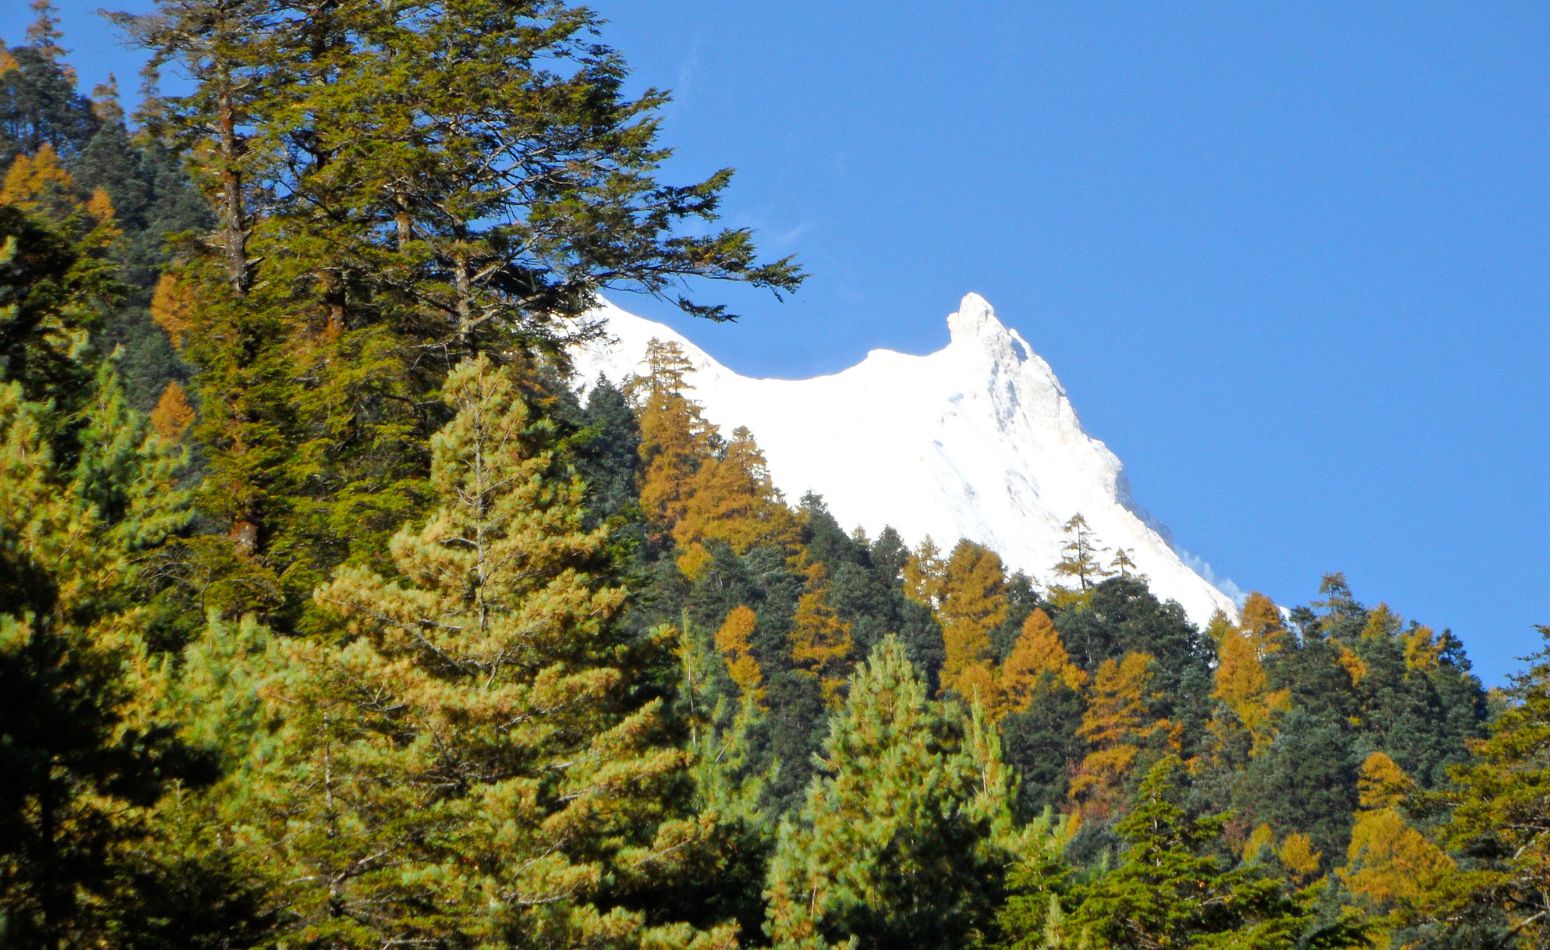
<point x="977" y="440"/>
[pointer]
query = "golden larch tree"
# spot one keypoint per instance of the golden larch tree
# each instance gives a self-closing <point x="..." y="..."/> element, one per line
<point x="1037" y="655"/>
<point x="972" y="604"/>
<point x="172" y="415"/>
<point x="734" y="640"/>
<point x="821" y="642"/>
<point x="1117" y="727"/>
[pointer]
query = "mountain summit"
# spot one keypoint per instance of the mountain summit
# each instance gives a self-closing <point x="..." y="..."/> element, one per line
<point x="977" y="440"/>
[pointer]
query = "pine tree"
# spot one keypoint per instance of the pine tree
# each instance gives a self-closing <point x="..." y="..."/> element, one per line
<point x="84" y="755"/>
<point x="1501" y="812"/>
<point x="474" y="758"/>
<point x="1172" y="890"/>
<point x="894" y="844"/>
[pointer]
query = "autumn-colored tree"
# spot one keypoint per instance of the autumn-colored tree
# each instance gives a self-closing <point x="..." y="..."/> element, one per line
<point x="1299" y="857"/>
<point x="1037" y="654"/>
<point x="731" y="498"/>
<point x="172" y="415"/>
<point x="1382" y="623"/>
<point x="1242" y="684"/>
<point x="971" y="603"/>
<point x="173" y="307"/>
<point x="1080" y="560"/>
<point x="1422" y="651"/>
<point x="821" y="644"/>
<point x="1260" y="623"/>
<point x="675" y="438"/>
<point x="733" y="639"/>
<point x="1393" y="868"/>
<point x="1381" y="783"/>
<point x="1118" y="726"/>
<point x="39" y="185"/>
<point x="922" y="574"/>
<point x="1242" y="687"/>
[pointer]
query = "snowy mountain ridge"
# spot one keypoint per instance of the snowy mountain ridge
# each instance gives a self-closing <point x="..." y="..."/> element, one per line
<point x="977" y="440"/>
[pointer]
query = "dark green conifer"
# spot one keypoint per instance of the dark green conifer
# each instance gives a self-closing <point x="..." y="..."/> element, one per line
<point x="895" y="845"/>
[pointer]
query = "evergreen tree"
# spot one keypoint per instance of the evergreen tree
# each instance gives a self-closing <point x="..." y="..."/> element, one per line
<point x="1501" y="812"/>
<point x="53" y="287"/>
<point x="369" y="236"/>
<point x="1171" y="890"/>
<point x="39" y="104"/>
<point x="607" y="452"/>
<point x="472" y="757"/>
<point x="84" y="755"/>
<point x="893" y="847"/>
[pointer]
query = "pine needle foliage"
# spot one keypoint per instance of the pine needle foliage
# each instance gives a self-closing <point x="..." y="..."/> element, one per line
<point x="894" y="844"/>
<point x="475" y="764"/>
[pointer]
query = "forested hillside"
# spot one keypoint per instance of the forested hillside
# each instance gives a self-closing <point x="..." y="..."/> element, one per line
<point x="330" y="615"/>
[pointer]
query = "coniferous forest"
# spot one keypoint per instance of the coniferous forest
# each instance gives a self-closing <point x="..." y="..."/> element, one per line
<point x="331" y="616"/>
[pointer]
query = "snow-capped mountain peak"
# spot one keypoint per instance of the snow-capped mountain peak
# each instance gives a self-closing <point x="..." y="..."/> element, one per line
<point x="977" y="440"/>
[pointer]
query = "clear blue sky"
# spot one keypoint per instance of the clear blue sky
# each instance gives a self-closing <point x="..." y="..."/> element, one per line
<point x="1292" y="261"/>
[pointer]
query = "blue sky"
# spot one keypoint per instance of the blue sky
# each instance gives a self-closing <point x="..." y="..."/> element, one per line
<point x="1292" y="261"/>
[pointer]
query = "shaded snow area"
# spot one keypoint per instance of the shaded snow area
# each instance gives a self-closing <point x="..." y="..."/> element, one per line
<point x="977" y="440"/>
